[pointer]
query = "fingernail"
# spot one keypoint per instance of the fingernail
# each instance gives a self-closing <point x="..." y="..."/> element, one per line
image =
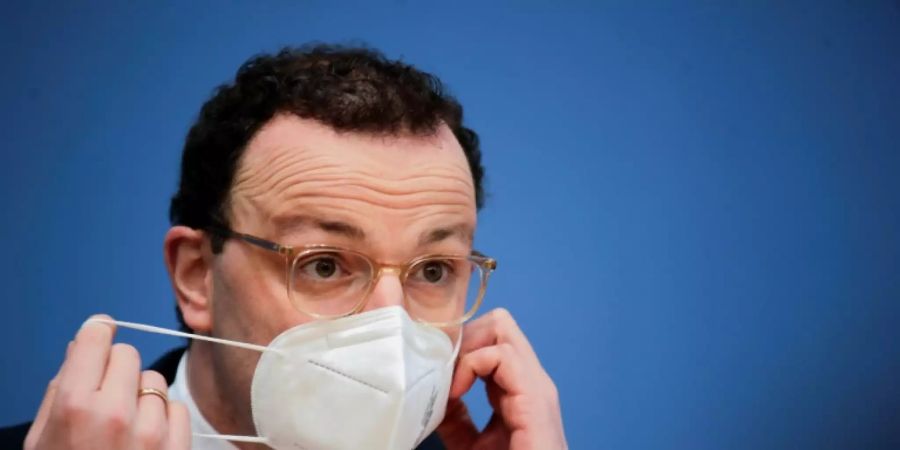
<point x="98" y="318"/>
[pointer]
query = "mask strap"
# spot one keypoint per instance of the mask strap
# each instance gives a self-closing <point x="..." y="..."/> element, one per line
<point x="456" y="346"/>
<point x="168" y="332"/>
<point x="233" y="438"/>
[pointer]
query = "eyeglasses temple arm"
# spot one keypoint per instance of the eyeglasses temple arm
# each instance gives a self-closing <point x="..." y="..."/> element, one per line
<point x="259" y="242"/>
<point x="484" y="261"/>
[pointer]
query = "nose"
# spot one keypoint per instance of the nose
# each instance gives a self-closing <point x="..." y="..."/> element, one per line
<point x="388" y="291"/>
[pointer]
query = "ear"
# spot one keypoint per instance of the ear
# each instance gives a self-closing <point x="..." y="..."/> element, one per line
<point x="189" y="261"/>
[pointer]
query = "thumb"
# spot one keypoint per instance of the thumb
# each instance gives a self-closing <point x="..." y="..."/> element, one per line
<point x="457" y="431"/>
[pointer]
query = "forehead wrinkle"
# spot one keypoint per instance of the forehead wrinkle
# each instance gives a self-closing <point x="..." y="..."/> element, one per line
<point x="249" y="166"/>
<point x="353" y="203"/>
<point x="296" y="200"/>
<point x="341" y="185"/>
<point x="377" y="176"/>
<point x="329" y="170"/>
<point x="285" y="177"/>
<point x="254" y="183"/>
<point x="347" y="212"/>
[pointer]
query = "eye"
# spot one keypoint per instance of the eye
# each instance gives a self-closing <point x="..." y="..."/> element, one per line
<point x="322" y="268"/>
<point x="434" y="272"/>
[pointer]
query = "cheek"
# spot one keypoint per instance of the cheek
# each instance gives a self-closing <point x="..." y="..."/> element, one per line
<point x="250" y="302"/>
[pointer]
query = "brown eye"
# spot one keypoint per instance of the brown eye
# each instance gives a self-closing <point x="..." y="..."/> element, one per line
<point x="433" y="272"/>
<point x="322" y="268"/>
<point x="325" y="268"/>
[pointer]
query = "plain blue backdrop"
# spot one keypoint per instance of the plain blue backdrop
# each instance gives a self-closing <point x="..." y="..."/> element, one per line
<point x="695" y="205"/>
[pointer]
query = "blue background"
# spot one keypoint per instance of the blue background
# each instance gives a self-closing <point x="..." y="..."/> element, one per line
<point x="696" y="207"/>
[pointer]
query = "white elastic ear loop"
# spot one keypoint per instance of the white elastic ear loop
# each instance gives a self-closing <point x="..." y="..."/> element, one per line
<point x="457" y="345"/>
<point x="233" y="438"/>
<point x="168" y="332"/>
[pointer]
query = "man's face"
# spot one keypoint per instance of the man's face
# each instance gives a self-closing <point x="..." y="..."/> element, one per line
<point x="301" y="183"/>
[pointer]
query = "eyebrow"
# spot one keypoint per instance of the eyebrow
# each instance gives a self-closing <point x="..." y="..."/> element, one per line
<point x="460" y="231"/>
<point x="297" y="223"/>
<point x="288" y="224"/>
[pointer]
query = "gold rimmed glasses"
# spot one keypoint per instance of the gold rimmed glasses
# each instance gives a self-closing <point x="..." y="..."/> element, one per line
<point x="328" y="282"/>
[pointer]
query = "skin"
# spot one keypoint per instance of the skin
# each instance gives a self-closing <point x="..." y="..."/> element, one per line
<point x="300" y="183"/>
<point x="92" y="401"/>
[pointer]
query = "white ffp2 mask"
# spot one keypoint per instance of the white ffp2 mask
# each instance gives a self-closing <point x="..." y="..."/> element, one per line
<point x="374" y="380"/>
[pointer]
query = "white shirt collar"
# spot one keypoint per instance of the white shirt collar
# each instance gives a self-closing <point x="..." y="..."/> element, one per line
<point x="179" y="391"/>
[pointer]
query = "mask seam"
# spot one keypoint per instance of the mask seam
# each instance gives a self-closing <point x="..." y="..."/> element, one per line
<point x="350" y="377"/>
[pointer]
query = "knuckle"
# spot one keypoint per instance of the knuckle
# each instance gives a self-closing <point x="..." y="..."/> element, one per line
<point x="506" y="349"/>
<point x="469" y="361"/>
<point x="52" y="388"/>
<point x="552" y="390"/>
<point x="502" y="315"/>
<point x="116" y="422"/>
<point x="503" y="321"/>
<point x="72" y="410"/>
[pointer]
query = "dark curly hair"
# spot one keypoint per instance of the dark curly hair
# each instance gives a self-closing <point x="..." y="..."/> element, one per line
<point x="354" y="89"/>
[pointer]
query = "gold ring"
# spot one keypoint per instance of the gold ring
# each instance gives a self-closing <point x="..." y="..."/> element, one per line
<point x="153" y="391"/>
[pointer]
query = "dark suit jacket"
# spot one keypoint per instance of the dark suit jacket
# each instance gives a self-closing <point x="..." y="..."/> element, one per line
<point x="13" y="437"/>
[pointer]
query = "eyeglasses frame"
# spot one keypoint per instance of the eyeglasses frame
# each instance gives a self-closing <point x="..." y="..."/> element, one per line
<point x="293" y="254"/>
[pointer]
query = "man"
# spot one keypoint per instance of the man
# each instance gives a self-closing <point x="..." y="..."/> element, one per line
<point x="324" y="188"/>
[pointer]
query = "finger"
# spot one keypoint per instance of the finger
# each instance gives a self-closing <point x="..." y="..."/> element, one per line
<point x="457" y="431"/>
<point x="179" y="427"/>
<point x="123" y="375"/>
<point x="495" y="327"/>
<point x="468" y="369"/>
<point x="40" y="419"/>
<point x="496" y="433"/>
<point x="85" y="367"/>
<point x="151" y="423"/>
<point x="499" y="362"/>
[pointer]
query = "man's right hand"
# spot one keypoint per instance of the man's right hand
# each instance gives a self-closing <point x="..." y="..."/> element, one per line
<point x="93" y="402"/>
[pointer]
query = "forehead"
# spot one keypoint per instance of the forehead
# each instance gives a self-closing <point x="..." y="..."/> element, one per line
<point x="296" y="165"/>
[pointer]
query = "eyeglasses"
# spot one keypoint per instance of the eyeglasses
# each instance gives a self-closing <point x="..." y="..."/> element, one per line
<point x="328" y="282"/>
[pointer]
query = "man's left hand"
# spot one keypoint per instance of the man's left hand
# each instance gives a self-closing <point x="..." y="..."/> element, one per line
<point x="524" y="398"/>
